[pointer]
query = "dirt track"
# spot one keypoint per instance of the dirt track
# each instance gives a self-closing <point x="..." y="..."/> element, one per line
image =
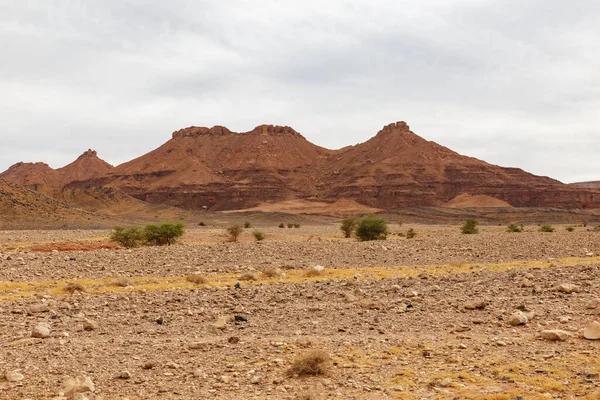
<point x="390" y="314"/>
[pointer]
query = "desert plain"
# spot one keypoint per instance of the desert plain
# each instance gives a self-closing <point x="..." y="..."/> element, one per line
<point x="433" y="317"/>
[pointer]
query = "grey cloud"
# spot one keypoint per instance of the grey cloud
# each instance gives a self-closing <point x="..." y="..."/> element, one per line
<point x="512" y="82"/>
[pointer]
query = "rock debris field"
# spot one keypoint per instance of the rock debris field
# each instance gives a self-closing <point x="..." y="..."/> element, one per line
<point x="304" y="314"/>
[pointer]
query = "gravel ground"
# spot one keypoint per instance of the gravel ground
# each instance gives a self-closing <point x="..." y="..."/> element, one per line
<point x="435" y="333"/>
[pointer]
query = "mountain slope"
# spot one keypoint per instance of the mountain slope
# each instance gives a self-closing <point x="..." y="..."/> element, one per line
<point x="217" y="169"/>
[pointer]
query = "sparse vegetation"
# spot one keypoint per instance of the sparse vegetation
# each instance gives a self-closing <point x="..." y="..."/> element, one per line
<point x="348" y="226"/>
<point x="234" y="232"/>
<point x="314" y="363"/>
<point x="514" y="228"/>
<point x="122" y="282"/>
<point x="290" y="225"/>
<point x="248" y="276"/>
<point x="371" y="228"/>
<point x="128" y="237"/>
<point x="73" y="287"/>
<point x="163" y="234"/>
<point x="314" y="271"/>
<point x="570" y="229"/>
<point x="296" y="226"/>
<point x="470" y="227"/>
<point x="282" y="225"/>
<point x="546" y="228"/>
<point x="196" y="279"/>
<point x="247" y="225"/>
<point x="272" y="272"/>
<point x="258" y="235"/>
<point x="201" y="224"/>
<point x="411" y="233"/>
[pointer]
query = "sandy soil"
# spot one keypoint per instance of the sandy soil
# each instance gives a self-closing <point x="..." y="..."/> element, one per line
<point x="400" y="319"/>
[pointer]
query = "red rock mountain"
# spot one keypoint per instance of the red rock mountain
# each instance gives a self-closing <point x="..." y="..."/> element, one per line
<point x="589" y="185"/>
<point x="40" y="175"/>
<point x="218" y="169"/>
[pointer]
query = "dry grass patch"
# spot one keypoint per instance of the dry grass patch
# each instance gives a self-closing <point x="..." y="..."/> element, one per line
<point x="272" y="272"/>
<point x="248" y="276"/>
<point x="315" y="271"/>
<point x="122" y="282"/>
<point x="197" y="279"/>
<point x="73" y="287"/>
<point x="314" y="363"/>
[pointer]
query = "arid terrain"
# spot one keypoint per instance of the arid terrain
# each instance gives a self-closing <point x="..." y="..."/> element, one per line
<point x="422" y="318"/>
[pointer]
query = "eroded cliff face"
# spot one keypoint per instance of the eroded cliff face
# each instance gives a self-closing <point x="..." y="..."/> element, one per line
<point x="218" y="169"/>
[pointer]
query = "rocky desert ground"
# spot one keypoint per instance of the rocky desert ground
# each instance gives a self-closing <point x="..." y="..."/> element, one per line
<point x="495" y="315"/>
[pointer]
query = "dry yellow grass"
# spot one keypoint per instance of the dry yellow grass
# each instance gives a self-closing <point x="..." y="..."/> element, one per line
<point x="197" y="279"/>
<point x="314" y="363"/>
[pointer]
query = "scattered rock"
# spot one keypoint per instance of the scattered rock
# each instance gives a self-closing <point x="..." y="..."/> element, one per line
<point x="89" y="325"/>
<point x="41" y="331"/>
<point x="220" y="323"/>
<point x="39" y="308"/>
<point x="148" y="365"/>
<point x="14" y="376"/>
<point x="475" y="305"/>
<point x="124" y="375"/>
<point x="592" y="331"/>
<point x="518" y="318"/>
<point x="568" y="288"/>
<point x="555" y="335"/>
<point x="80" y="384"/>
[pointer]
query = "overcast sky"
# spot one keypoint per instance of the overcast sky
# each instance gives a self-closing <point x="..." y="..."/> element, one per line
<point x="512" y="82"/>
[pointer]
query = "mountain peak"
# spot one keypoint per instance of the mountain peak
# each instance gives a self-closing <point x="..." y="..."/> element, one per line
<point x="265" y="129"/>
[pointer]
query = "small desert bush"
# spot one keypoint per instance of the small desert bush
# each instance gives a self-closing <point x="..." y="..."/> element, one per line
<point x="248" y="276"/>
<point x="470" y="227"/>
<point x="163" y="234"/>
<point x="296" y="226"/>
<point x="196" y="279"/>
<point x="127" y="237"/>
<point x="290" y="226"/>
<point x="259" y="236"/>
<point x="348" y="226"/>
<point x="282" y="225"/>
<point x="546" y="228"/>
<point x="272" y="272"/>
<point x="73" y="287"/>
<point x="314" y="363"/>
<point x="570" y="229"/>
<point x="314" y="271"/>
<point x="514" y="228"/>
<point x="122" y="282"/>
<point x="411" y="233"/>
<point x="371" y="228"/>
<point x="247" y="225"/>
<point x="201" y="224"/>
<point x="234" y="232"/>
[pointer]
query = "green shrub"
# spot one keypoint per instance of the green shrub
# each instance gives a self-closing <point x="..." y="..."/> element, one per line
<point x="282" y="225"/>
<point x="258" y="235"/>
<point x="234" y="232"/>
<point x="514" y="228"/>
<point x="247" y="225"/>
<point x="296" y="226"/>
<point x="290" y="226"/>
<point x="546" y="228"/>
<point x="371" y="228"/>
<point x="470" y="227"/>
<point x="348" y="226"/>
<point x="411" y="233"/>
<point x="128" y="237"/>
<point x="163" y="234"/>
<point x="570" y="229"/>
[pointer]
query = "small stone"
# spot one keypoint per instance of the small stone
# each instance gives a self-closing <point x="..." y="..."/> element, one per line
<point x="592" y="331"/>
<point x="14" y="376"/>
<point x="173" y="365"/>
<point x="238" y="309"/>
<point x="564" y="319"/>
<point x="148" y="365"/>
<point x="240" y="318"/>
<point x="124" y="375"/>
<point x="446" y="383"/>
<point x="76" y="385"/>
<point x="39" y="308"/>
<point x="475" y="305"/>
<point x="40" y="331"/>
<point x="518" y="318"/>
<point x="225" y="379"/>
<point x="220" y="323"/>
<point x="197" y="345"/>
<point x="555" y="335"/>
<point x="89" y="325"/>
<point x="233" y="340"/>
<point x="568" y="288"/>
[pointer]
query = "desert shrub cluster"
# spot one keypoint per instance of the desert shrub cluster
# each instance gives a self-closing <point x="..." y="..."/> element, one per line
<point x="151" y="235"/>
<point x="470" y="227"/>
